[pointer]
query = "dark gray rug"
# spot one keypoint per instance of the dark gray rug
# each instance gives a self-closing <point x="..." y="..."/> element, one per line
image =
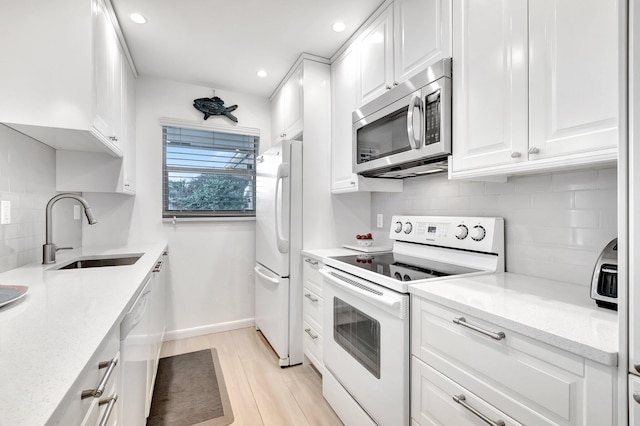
<point x="190" y="390"/>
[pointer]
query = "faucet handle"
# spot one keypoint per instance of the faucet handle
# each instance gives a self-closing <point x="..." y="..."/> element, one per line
<point x="63" y="248"/>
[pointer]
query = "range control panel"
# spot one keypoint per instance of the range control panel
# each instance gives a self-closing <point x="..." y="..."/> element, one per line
<point x="484" y="234"/>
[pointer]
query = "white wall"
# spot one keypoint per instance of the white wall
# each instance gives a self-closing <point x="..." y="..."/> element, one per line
<point x="27" y="180"/>
<point x="555" y="224"/>
<point x="211" y="262"/>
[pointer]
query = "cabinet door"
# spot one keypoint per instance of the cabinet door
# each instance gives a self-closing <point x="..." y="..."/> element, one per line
<point x="293" y="105"/>
<point x="634" y="400"/>
<point x="422" y="34"/>
<point x="344" y="98"/>
<point x="128" y="129"/>
<point x="376" y="57"/>
<point x="573" y="73"/>
<point x="490" y="83"/>
<point x="277" y="119"/>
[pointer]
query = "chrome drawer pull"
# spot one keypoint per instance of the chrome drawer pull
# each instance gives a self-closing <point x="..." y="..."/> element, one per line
<point x="107" y="413"/>
<point x="460" y="399"/>
<point x="310" y="297"/>
<point x="463" y="322"/>
<point x="308" y="331"/>
<point x="97" y="392"/>
<point x="311" y="261"/>
<point x="636" y="397"/>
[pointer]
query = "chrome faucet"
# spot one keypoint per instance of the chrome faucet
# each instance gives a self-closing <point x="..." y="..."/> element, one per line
<point x="49" y="249"/>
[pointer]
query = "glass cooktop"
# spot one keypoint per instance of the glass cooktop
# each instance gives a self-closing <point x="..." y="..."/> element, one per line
<point x="402" y="267"/>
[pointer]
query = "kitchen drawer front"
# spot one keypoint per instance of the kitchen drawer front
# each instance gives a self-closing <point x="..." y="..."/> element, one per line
<point x="634" y="404"/>
<point x="432" y="401"/>
<point x="312" y="306"/>
<point x="311" y="274"/>
<point x="529" y="380"/>
<point x="312" y="346"/>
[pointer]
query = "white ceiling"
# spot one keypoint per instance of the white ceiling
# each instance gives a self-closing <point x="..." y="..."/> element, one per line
<point x="223" y="43"/>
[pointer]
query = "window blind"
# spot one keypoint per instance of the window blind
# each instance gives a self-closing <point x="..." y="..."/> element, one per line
<point x="208" y="173"/>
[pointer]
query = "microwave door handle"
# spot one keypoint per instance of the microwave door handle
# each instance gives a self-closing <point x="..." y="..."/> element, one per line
<point x="283" y="243"/>
<point x="416" y="102"/>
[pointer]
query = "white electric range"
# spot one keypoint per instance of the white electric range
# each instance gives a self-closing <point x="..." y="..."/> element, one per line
<point x="366" y="307"/>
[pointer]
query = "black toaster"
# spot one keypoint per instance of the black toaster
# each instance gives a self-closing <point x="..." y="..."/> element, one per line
<point x="604" y="284"/>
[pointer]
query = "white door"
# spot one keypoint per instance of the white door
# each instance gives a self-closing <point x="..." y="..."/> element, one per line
<point x="272" y="209"/>
<point x="422" y="35"/>
<point x="489" y="83"/>
<point x="376" y="57"/>
<point x="573" y="75"/>
<point x="272" y="310"/>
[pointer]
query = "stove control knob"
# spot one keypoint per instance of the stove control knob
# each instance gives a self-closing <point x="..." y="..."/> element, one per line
<point x="408" y="227"/>
<point x="398" y="227"/>
<point x="478" y="233"/>
<point x="462" y="231"/>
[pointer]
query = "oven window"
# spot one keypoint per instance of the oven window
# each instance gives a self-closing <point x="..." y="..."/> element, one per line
<point x="358" y="334"/>
<point x="383" y="137"/>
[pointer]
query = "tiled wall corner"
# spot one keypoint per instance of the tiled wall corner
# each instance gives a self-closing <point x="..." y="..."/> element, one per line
<point x="555" y="224"/>
<point x="27" y="180"/>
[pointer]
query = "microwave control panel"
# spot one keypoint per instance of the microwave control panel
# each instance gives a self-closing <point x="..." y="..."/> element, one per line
<point x="432" y="118"/>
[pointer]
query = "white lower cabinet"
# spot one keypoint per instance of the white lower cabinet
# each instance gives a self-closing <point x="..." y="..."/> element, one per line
<point x="94" y="399"/>
<point x="634" y="400"/>
<point x="502" y="375"/>
<point x="312" y="312"/>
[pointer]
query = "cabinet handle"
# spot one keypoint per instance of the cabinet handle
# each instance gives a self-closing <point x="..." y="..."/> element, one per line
<point x="516" y="154"/>
<point x="308" y="331"/>
<point x="387" y="87"/>
<point x="534" y="150"/>
<point x="311" y="261"/>
<point x="395" y="83"/>
<point x="463" y="322"/>
<point x="113" y="138"/>
<point x="636" y="397"/>
<point x="310" y="297"/>
<point x="460" y="399"/>
<point x="637" y="367"/>
<point x="107" y="413"/>
<point x="352" y="183"/>
<point x="97" y="392"/>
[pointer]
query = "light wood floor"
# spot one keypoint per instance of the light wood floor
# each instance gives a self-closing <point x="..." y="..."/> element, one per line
<point x="262" y="393"/>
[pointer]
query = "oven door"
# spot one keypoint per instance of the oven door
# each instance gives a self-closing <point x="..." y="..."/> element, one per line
<point x="366" y="346"/>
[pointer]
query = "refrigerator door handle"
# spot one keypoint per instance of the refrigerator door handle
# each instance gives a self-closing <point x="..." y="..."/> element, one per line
<point x="265" y="277"/>
<point x="283" y="243"/>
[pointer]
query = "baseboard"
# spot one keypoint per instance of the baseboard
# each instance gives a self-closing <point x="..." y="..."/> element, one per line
<point x="207" y="329"/>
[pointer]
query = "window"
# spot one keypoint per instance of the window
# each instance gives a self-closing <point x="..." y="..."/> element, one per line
<point x="208" y="173"/>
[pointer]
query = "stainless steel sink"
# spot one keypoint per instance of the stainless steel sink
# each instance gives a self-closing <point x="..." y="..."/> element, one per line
<point x="100" y="261"/>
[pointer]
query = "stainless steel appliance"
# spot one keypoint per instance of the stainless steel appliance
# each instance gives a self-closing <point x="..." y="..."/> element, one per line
<point x="366" y="309"/>
<point x="604" y="284"/>
<point x="406" y="131"/>
<point x="278" y="301"/>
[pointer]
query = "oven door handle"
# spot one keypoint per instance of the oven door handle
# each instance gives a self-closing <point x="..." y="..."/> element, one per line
<point x="397" y="304"/>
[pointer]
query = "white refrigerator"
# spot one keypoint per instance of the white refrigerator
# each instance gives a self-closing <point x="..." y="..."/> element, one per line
<point x="278" y="284"/>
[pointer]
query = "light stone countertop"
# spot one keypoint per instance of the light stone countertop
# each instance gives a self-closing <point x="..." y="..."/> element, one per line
<point x="318" y="254"/>
<point x="557" y="313"/>
<point x="48" y="337"/>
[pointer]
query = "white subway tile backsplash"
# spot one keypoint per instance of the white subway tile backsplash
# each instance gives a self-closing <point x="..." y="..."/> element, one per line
<point x="27" y="180"/>
<point x="555" y="224"/>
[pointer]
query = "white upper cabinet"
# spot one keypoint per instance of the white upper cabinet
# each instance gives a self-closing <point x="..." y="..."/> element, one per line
<point x="422" y="34"/>
<point x="535" y="86"/>
<point x="489" y="82"/>
<point x="65" y="85"/>
<point x="344" y="100"/>
<point x="376" y="57"/>
<point x="286" y="109"/>
<point x="405" y="38"/>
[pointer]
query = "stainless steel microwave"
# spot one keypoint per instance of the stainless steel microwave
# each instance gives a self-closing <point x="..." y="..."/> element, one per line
<point x="406" y="131"/>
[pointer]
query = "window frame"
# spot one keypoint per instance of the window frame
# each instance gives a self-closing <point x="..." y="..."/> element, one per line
<point x="204" y="215"/>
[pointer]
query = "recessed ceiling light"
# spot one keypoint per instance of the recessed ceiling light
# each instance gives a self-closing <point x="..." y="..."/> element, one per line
<point x="338" y="27"/>
<point x="137" y="18"/>
<point x="262" y="73"/>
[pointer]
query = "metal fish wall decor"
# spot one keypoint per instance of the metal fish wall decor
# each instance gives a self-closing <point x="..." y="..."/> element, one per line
<point x="214" y="106"/>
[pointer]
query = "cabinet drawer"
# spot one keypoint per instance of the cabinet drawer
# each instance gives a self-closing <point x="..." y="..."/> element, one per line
<point x="433" y="403"/>
<point x="312" y="307"/>
<point x="312" y="342"/>
<point x="311" y="274"/>
<point x="529" y="380"/>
